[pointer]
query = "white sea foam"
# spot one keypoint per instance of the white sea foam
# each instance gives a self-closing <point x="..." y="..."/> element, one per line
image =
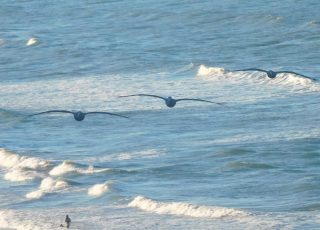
<point x="98" y="189"/>
<point x="19" y="175"/>
<point x="292" y="79"/>
<point x="95" y="93"/>
<point x="20" y="168"/>
<point x="283" y="79"/>
<point x="8" y="220"/>
<point x="122" y="156"/>
<point x="9" y="159"/>
<point x="63" y="168"/>
<point x="151" y="153"/>
<point x="184" y="209"/>
<point x="68" y="167"/>
<point x="35" y="194"/>
<point x="48" y="185"/>
<point x="30" y="219"/>
<point x="32" y="41"/>
<point x="208" y="71"/>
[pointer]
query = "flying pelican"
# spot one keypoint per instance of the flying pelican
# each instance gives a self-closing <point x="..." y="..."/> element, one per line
<point x="271" y="73"/>
<point x="78" y="116"/>
<point x="170" y="102"/>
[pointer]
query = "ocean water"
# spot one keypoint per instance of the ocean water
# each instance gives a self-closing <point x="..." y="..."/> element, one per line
<point x="252" y="163"/>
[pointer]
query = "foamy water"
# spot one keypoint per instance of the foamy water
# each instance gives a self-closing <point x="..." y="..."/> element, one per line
<point x="291" y="81"/>
<point x="68" y="167"/>
<point x="10" y="159"/>
<point x="184" y="209"/>
<point x="251" y="163"/>
<point x="98" y="189"/>
<point x="20" y="175"/>
<point x="48" y="185"/>
<point x="21" y="168"/>
<point x="32" y="41"/>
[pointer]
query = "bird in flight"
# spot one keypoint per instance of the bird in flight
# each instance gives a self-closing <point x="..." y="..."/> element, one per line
<point x="273" y="74"/>
<point x="170" y="102"/>
<point x="78" y="116"/>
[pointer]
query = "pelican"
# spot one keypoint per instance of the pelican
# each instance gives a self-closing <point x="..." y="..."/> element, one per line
<point x="273" y="74"/>
<point x="170" y="102"/>
<point x="78" y="116"/>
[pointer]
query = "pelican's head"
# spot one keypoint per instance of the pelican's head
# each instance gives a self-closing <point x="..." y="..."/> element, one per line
<point x="79" y="116"/>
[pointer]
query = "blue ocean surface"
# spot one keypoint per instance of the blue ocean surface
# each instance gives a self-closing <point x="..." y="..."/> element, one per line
<point x="250" y="163"/>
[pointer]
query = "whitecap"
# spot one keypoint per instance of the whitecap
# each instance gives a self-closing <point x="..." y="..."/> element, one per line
<point x="184" y="209"/>
<point x="283" y="80"/>
<point x="98" y="189"/>
<point x="18" y="175"/>
<point x="48" y="185"/>
<point x="208" y="71"/>
<point x="32" y="41"/>
<point x="10" y="159"/>
<point x="68" y="167"/>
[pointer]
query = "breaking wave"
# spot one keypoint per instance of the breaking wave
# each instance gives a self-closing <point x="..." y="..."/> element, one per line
<point x="98" y="189"/>
<point x="69" y="167"/>
<point x="283" y="79"/>
<point x="184" y="209"/>
<point x="21" y="168"/>
<point x="19" y="175"/>
<point x="9" y="159"/>
<point x="209" y="71"/>
<point x="48" y="185"/>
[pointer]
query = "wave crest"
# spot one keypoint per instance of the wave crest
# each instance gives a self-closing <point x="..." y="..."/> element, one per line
<point x="48" y="185"/>
<point x="68" y="167"/>
<point x="18" y="175"/>
<point x="254" y="77"/>
<point x="98" y="189"/>
<point x="184" y="209"/>
<point x="207" y="71"/>
<point x="20" y="168"/>
<point x="9" y="159"/>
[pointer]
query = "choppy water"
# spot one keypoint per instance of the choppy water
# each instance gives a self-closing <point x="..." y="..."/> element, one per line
<point x="252" y="163"/>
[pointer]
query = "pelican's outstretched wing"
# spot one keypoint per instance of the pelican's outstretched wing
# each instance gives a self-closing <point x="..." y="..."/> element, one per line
<point x="193" y="99"/>
<point x="113" y="114"/>
<point x="297" y="74"/>
<point x="53" y="111"/>
<point x="250" y="69"/>
<point x="141" y="94"/>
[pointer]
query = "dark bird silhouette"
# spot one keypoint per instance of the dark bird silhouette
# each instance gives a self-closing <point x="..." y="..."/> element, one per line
<point x="78" y="116"/>
<point x="273" y="74"/>
<point x="170" y="102"/>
